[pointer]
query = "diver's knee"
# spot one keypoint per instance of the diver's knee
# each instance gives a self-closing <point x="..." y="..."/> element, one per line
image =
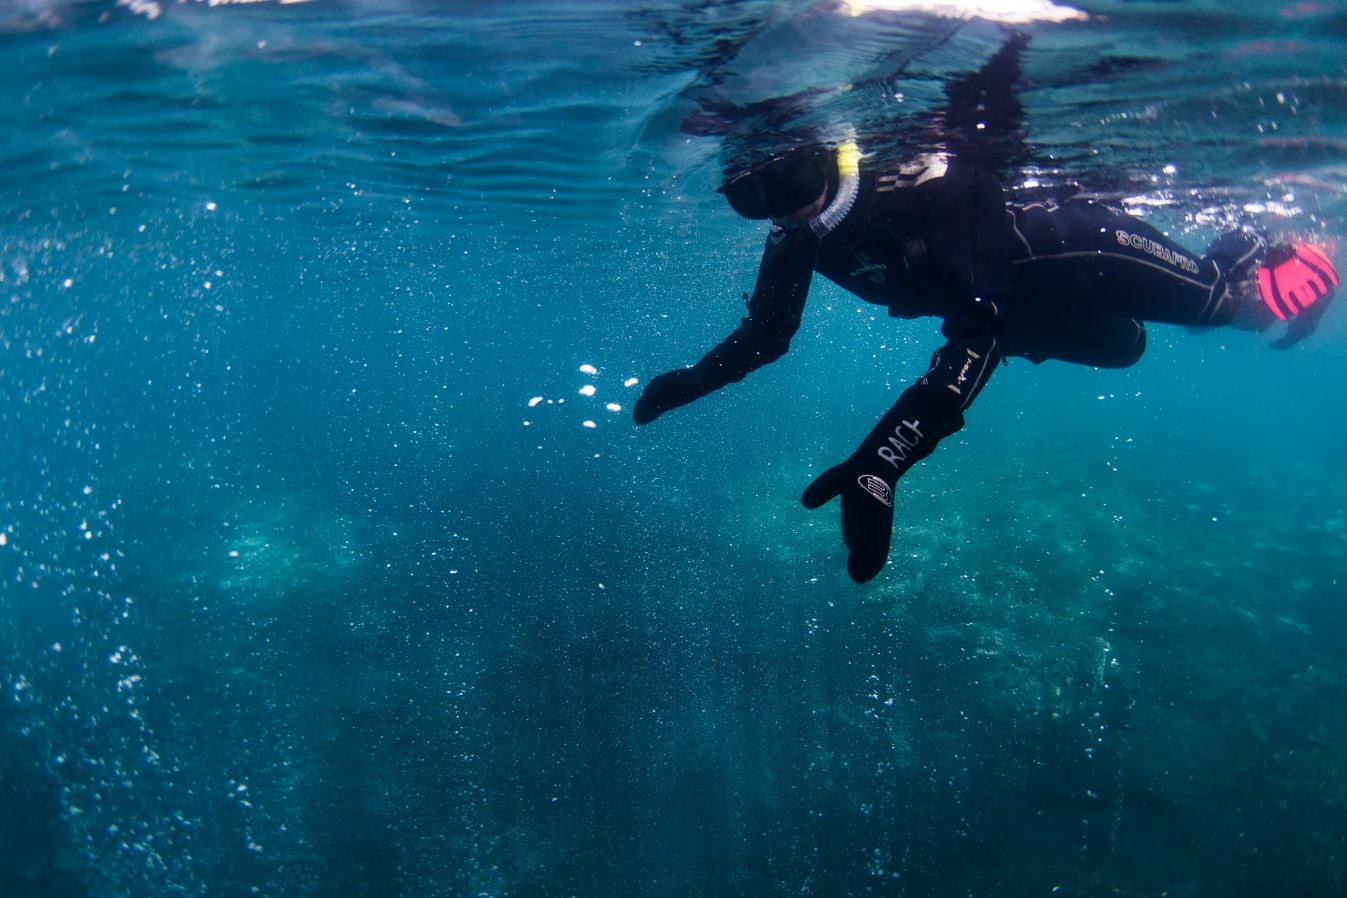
<point x="1124" y="353"/>
<point x="1224" y="314"/>
<point x="1131" y="356"/>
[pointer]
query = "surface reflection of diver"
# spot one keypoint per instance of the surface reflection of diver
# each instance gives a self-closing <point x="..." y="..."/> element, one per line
<point x="1070" y="280"/>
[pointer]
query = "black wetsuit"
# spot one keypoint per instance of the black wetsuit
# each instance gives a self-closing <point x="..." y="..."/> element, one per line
<point x="1066" y="279"/>
<point x="1070" y="281"/>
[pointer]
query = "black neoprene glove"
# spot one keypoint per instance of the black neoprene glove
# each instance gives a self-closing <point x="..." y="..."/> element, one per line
<point x="668" y="391"/>
<point x="867" y="513"/>
<point x="866" y="482"/>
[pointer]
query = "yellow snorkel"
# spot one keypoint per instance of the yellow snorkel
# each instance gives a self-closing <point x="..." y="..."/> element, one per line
<point x="849" y="174"/>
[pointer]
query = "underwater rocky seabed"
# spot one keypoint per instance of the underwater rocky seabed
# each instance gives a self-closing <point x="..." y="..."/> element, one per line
<point x="277" y="623"/>
<point x="1054" y="707"/>
<point x="331" y="656"/>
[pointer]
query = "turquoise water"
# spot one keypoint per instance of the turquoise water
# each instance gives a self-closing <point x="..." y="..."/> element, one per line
<point x="302" y="593"/>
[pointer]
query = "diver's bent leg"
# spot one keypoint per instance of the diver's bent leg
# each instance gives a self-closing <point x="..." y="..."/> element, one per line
<point x="1109" y="342"/>
<point x="1127" y="268"/>
<point x="1163" y="282"/>
<point x="1100" y="341"/>
<point x="1092" y="256"/>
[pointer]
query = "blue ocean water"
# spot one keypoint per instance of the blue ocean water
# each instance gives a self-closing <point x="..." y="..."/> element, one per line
<point x="332" y="564"/>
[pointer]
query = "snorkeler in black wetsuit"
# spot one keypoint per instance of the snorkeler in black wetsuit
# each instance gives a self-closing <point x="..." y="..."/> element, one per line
<point x="1070" y="280"/>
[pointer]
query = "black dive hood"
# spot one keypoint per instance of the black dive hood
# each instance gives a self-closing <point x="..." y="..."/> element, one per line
<point x="779" y="186"/>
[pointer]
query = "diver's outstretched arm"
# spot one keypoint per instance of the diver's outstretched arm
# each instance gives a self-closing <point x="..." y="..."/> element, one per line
<point x="774" y="312"/>
<point x="926" y="412"/>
